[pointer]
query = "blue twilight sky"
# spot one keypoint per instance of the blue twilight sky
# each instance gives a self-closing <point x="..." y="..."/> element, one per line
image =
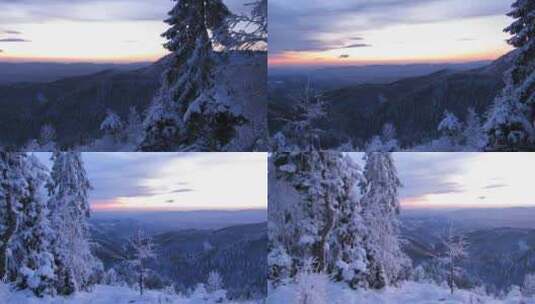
<point x="175" y="181"/>
<point x="457" y="180"/>
<point x="337" y="32"/>
<point x="85" y="30"/>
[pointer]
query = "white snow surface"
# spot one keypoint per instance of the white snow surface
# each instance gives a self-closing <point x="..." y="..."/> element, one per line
<point x="408" y="293"/>
<point x="103" y="294"/>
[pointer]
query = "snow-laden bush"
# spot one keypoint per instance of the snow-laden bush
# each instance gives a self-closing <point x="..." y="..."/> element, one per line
<point x="214" y="282"/>
<point x="201" y="293"/>
<point x="311" y="288"/>
<point x="386" y="142"/>
<point x="45" y="142"/>
<point x="456" y="136"/>
<point x="514" y="295"/>
<point x="280" y="264"/>
<point x="528" y="288"/>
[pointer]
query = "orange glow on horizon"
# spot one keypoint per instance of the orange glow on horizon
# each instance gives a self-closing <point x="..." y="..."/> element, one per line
<point x="117" y="205"/>
<point x="131" y="59"/>
<point x="424" y="203"/>
<point x="318" y="59"/>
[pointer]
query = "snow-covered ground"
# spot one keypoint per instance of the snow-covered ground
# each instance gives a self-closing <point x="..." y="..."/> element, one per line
<point x="105" y="295"/>
<point x="407" y="293"/>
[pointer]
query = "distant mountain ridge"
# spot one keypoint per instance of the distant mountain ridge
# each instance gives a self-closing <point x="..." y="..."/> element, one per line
<point x="497" y="257"/>
<point x="185" y="257"/>
<point x="501" y="241"/>
<point x="42" y="72"/>
<point x="76" y="106"/>
<point x="414" y="105"/>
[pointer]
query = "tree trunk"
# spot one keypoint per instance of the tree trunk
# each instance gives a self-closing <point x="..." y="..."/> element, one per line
<point x="11" y="223"/>
<point x="324" y="234"/>
<point x="451" y="274"/>
<point x="141" y="278"/>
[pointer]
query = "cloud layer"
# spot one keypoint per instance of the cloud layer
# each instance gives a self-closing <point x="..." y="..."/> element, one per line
<point x="174" y="180"/>
<point x="30" y="11"/>
<point x="314" y="25"/>
<point x="13" y="40"/>
<point x="453" y="180"/>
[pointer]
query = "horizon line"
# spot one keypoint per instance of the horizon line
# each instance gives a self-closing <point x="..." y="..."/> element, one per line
<point x="373" y="63"/>
<point x="147" y="210"/>
<point x="469" y="207"/>
<point x="278" y="61"/>
<point x="117" y="60"/>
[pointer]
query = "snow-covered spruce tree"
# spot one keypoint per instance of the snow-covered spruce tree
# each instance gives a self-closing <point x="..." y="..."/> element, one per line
<point x="143" y="250"/>
<point x="188" y="112"/>
<point x="299" y="133"/>
<point x="350" y="256"/>
<point x="112" y="125"/>
<point x="380" y="211"/>
<point x="473" y="133"/>
<point x="134" y="127"/>
<point x="25" y="233"/>
<point x="279" y="264"/>
<point x="451" y="128"/>
<point x="455" y="250"/>
<point x="313" y="213"/>
<point x="214" y="282"/>
<point x="69" y="214"/>
<point x="47" y="136"/>
<point x="510" y="119"/>
<point x="32" y="265"/>
<point x="12" y="187"/>
<point x="387" y="142"/>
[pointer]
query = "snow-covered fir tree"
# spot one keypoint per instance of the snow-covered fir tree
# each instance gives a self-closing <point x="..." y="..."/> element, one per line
<point x="387" y="142"/>
<point x="214" y="282"/>
<point x="473" y="133"/>
<point x="12" y="189"/>
<point x="190" y="112"/>
<point x="134" y="126"/>
<point x="510" y="119"/>
<point x="32" y="261"/>
<point x="47" y="136"/>
<point x="143" y="250"/>
<point x="25" y="252"/>
<point x="451" y="128"/>
<point x="314" y="213"/>
<point x="380" y="211"/>
<point x="279" y="261"/>
<point x="69" y="214"/>
<point x="112" y="125"/>
<point x="456" y="246"/>
<point x="300" y="134"/>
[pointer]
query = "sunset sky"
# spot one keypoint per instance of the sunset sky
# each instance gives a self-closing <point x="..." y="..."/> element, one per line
<point x="465" y="180"/>
<point x="175" y="181"/>
<point x="85" y="30"/>
<point x="339" y="32"/>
